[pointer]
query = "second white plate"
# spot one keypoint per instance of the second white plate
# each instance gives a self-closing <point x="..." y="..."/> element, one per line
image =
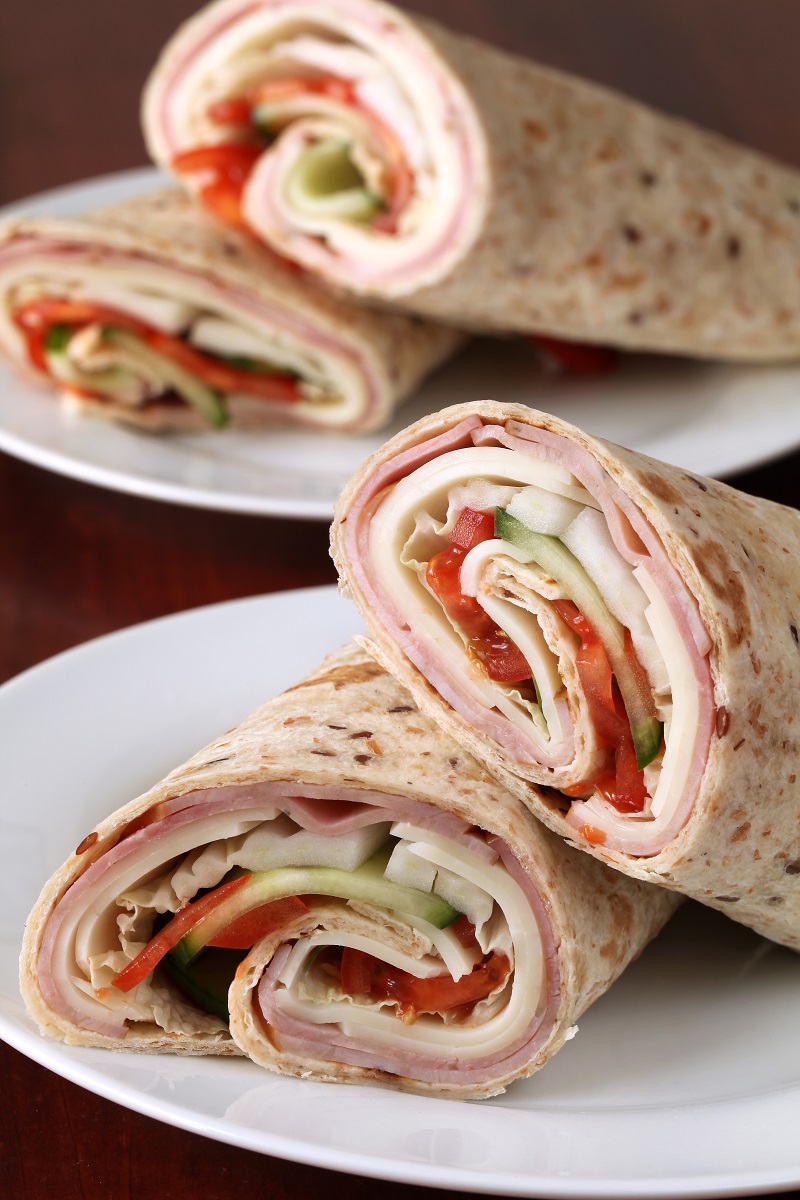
<point x="684" y="1079"/>
<point x="712" y="419"/>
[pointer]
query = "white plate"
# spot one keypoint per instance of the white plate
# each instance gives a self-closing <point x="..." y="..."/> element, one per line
<point x="712" y="419"/>
<point x="684" y="1080"/>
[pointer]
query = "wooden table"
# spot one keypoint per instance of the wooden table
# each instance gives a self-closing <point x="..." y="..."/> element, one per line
<point x="70" y="77"/>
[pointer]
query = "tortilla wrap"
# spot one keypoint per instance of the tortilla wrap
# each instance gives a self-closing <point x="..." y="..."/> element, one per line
<point x="412" y="165"/>
<point x="619" y="645"/>
<point x="304" y="781"/>
<point x="150" y="313"/>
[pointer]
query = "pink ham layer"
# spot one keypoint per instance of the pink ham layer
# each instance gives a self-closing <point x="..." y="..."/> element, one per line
<point x="331" y="811"/>
<point x="328" y="1043"/>
<point x="275" y="315"/>
<point x="266" y="177"/>
<point x="633" y="536"/>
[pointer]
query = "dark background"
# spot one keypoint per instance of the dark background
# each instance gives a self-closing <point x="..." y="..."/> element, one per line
<point x="76" y="561"/>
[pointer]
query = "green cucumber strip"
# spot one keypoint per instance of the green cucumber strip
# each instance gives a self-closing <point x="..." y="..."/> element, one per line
<point x="325" y="182"/>
<point x="206" y="400"/>
<point x="264" y="117"/>
<point x="366" y="884"/>
<point x="554" y="557"/>
<point x="57" y="338"/>
<point x="257" y="365"/>
<point x="207" y="981"/>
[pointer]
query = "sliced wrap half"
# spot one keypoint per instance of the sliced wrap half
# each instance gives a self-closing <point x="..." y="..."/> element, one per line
<point x="152" y="313"/>
<point x="391" y="913"/>
<point x="410" y="164"/>
<point x="616" y="639"/>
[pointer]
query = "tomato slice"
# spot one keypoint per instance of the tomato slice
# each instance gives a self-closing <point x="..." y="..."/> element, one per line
<point x="500" y="657"/>
<point x="231" y="112"/>
<point x="250" y="927"/>
<point x="472" y="528"/>
<point x="464" y="932"/>
<point x="363" y="975"/>
<point x="356" y="972"/>
<point x="624" y="785"/>
<point x="224" y="170"/>
<point x="578" y="358"/>
<point x="167" y="938"/>
<point x="442" y="992"/>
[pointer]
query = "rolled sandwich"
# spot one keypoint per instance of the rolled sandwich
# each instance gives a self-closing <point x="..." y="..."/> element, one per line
<point x="615" y="638"/>
<point x="152" y="314"/>
<point x="336" y="890"/>
<point x="407" y="163"/>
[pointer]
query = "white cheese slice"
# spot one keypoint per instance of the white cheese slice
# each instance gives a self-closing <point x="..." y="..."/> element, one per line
<point x="223" y="337"/>
<point x="162" y="312"/>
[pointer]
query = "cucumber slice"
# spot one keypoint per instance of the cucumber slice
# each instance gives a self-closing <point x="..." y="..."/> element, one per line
<point x="207" y="981"/>
<point x="57" y="338"/>
<point x="325" y="182"/>
<point x="117" y="383"/>
<point x="257" y="365"/>
<point x="554" y="557"/>
<point x="544" y="511"/>
<point x="206" y="400"/>
<point x="367" y="884"/>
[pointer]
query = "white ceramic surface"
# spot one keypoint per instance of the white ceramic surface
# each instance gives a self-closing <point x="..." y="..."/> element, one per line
<point x="713" y="419"/>
<point x="684" y="1080"/>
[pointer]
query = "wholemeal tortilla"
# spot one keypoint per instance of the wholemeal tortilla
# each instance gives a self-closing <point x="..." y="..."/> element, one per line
<point x="412" y="165"/>
<point x="316" y="776"/>
<point x="616" y="639"/>
<point x="151" y="313"/>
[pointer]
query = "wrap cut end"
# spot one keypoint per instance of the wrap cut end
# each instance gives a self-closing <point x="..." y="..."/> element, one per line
<point x="334" y="907"/>
<point x="604" y="632"/>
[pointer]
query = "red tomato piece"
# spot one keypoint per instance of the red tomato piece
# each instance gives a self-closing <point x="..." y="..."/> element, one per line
<point x="464" y="932"/>
<point x="442" y="992"/>
<point x="471" y="528"/>
<point x="224" y="170"/>
<point x="505" y="662"/>
<point x="356" y="972"/>
<point x="232" y="112"/>
<point x="624" y="785"/>
<point x="577" y="357"/>
<point x="499" y="656"/>
<point x="250" y="927"/>
<point x="167" y="938"/>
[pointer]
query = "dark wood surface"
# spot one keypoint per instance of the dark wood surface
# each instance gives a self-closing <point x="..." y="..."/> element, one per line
<point x="77" y="561"/>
